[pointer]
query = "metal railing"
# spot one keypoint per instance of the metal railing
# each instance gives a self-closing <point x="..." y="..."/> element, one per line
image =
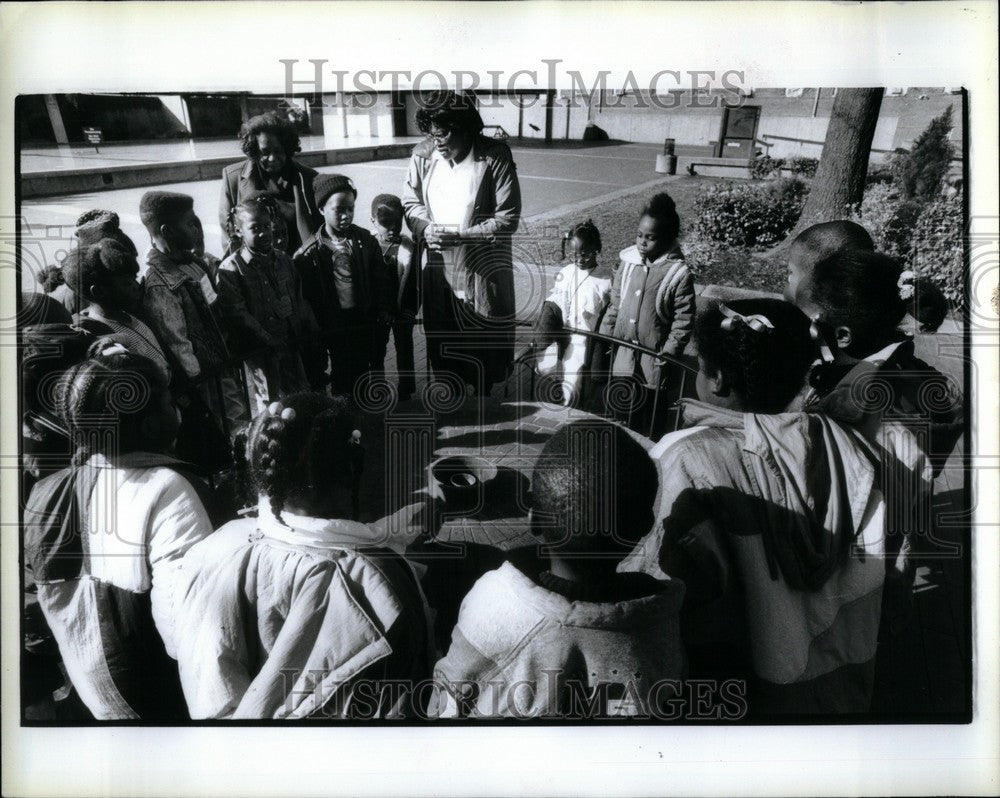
<point x="234" y="367"/>
<point x="684" y="369"/>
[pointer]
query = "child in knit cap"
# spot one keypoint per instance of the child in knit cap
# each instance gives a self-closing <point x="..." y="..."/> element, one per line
<point x="345" y="278"/>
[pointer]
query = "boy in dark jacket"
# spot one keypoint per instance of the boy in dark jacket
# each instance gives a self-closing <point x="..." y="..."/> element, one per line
<point x="347" y="282"/>
<point x="398" y="251"/>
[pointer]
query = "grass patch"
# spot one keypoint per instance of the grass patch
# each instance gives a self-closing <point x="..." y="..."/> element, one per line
<point x="617" y="220"/>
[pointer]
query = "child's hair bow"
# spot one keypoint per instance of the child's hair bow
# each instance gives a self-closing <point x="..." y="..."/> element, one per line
<point x="757" y="322"/>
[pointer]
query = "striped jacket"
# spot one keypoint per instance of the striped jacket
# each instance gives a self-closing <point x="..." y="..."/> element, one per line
<point x="651" y="305"/>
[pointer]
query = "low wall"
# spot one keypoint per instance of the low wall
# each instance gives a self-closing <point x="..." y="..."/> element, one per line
<point x="81" y="181"/>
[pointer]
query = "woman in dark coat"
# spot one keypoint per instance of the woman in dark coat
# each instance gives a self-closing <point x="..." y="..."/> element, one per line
<point x="463" y="203"/>
<point x="270" y="141"/>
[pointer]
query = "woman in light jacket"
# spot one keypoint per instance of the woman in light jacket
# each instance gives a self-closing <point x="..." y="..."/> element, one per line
<point x="463" y="203"/>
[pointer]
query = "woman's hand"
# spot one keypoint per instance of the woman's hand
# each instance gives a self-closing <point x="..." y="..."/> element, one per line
<point x="439" y="236"/>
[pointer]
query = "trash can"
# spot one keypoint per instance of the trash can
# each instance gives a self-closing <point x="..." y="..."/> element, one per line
<point x="666" y="164"/>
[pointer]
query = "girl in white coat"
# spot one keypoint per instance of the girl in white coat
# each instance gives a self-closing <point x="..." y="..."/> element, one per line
<point x="579" y="297"/>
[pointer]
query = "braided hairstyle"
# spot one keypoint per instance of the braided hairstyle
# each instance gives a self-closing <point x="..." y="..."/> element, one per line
<point x="870" y="294"/>
<point x="96" y="265"/>
<point x="303" y="450"/>
<point x="105" y="400"/>
<point x="767" y="367"/>
<point x="588" y="234"/>
<point x="50" y="278"/>
<point x="256" y="202"/>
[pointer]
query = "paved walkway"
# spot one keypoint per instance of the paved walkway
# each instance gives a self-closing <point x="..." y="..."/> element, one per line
<point x="78" y="156"/>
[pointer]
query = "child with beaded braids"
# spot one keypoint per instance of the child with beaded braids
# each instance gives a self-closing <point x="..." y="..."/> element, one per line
<point x="104" y="538"/>
<point x="871" y="378"/>
<point x="773" y="519"/>
<point x="579" y="297"/>
<point x="300" y="612"/>
<point x="262" y="303"/>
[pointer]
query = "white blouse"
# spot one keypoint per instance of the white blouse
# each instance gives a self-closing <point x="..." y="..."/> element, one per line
<point x="451" y="196"/>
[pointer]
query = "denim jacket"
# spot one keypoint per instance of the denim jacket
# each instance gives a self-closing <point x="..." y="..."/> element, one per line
<point x="262" y="299"/>
<point x="176" y="308"/>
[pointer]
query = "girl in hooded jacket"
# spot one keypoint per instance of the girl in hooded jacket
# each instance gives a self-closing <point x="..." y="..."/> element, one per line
<point x="652" y="306"/>
<point x="301" y="611"/>
<point x="773" y="519"/>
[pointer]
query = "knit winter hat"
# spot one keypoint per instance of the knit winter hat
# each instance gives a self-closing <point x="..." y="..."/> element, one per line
<point x="327" y="185"/>
<point x="163" y="207"/>
<point x="97" y="224"/>
<point x="93" y="265"/>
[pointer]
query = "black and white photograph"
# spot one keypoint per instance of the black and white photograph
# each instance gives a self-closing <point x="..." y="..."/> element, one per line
<point x="365" y="397"/>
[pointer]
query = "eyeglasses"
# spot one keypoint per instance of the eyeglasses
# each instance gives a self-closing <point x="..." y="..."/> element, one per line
<point x="440" y="138"/>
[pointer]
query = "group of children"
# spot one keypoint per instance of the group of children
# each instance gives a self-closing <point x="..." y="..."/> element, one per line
<point x="322" y="316"/>
<point x="762" y="545"/>
<point x="646" y="304"/>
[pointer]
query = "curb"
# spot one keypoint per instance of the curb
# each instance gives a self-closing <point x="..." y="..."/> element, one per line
<point x="111" y="178"/>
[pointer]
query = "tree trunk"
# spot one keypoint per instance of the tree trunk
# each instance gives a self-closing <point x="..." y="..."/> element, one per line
<point x="843" y="164"/>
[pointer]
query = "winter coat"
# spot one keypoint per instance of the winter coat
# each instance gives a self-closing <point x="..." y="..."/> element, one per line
<point x="776" y="525"/>
<point x="403" y="255"/>
<point x="512" y="632"/>
<point x="262" y="300"/>
<point x="239" y="180"/>
<point x="113" y="610"/>
<point x="374" y="283"/>
<point x="912" y="414"/>
<point x="283" y="620"/>
<point x="652" y="306"/>
<point x="496" y="214"/>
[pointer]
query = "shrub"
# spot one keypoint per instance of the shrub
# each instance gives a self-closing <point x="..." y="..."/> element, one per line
<point x="718" y="264"/>
<point x="889" y="218"/>
<point x="749" y="215"/>
<point x="765" y="166"/>
<point x="937" y="251"/>
<point x="920" y="172"/>
<point x="879" y="174"/>
<point x="803" y="166"/>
